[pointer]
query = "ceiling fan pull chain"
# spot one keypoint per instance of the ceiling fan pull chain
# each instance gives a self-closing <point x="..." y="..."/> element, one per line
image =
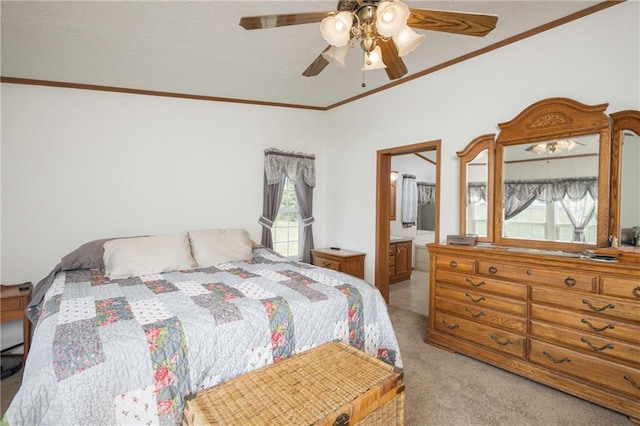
<point x="363" y="82"/>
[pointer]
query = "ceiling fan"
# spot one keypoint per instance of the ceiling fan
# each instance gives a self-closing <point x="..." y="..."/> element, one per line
<point x="554" y="147"/>
<point x="383" y="28"/>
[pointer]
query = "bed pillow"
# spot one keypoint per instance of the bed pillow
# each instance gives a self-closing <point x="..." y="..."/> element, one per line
<point x="129" y="257"/>
<point x="214" y="246"/>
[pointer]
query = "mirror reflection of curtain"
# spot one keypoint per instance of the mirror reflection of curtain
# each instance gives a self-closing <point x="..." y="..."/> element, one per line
<point x="476" y="191"/>
<point x="577" y="195"/>
<point x="580" y="212"/>
<point x="426" y="193"/>
<point x="409" y="200"/>
<point x="300" y="169"/>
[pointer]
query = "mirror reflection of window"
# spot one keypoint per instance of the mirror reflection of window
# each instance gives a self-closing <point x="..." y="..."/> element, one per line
<point x="477" y="178"/>
<point x="629" y="188"/>
<point x="550" y="190"/>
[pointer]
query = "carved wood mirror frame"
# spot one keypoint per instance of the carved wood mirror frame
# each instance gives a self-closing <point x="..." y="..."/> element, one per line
<point x="550" y="119"/>
<point x="467" y="155"/>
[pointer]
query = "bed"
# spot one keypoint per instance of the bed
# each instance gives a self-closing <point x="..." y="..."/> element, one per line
<point x="120" y="340"/>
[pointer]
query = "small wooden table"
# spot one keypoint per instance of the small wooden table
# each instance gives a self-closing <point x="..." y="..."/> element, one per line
<point x="13" y="302"/>
<point x="347" y="261"/>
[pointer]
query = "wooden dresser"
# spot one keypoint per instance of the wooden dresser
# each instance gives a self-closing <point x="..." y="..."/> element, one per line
<point x="347" y="261"/>
<point x="570" y="323"/>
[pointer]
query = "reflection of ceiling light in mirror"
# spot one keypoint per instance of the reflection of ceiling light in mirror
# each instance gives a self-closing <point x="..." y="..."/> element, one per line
<point x="553" y="147"/>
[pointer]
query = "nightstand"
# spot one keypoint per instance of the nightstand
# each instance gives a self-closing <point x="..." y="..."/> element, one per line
<point x="13" y="302"/>
<point x="347" y="261"/>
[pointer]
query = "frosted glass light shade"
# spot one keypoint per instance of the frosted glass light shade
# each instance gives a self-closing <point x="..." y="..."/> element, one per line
<point x="373" y="61"/>
<point x="391" y="17"/>
<point x="407" y="40"/>
<point x="336" y="55"/>
<point x="336" y="29"/>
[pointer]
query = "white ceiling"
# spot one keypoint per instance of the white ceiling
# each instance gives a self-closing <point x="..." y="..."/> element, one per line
<point x="198" y="48"/>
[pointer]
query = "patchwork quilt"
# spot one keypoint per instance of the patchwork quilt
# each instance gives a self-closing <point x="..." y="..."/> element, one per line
<point x="128" y="351"/>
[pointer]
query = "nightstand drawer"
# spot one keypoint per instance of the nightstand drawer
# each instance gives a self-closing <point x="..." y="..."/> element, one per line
<point x="326" y="263"/>
<point x="11" y="304"/>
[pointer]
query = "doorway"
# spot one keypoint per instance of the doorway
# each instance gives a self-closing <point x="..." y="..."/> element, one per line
<point x="383" y="205"/>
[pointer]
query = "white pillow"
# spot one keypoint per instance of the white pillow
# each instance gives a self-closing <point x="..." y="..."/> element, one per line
<point x="214" y="246"/>
<point x="129" y="257"/>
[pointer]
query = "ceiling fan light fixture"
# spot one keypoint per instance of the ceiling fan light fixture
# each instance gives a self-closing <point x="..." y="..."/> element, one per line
<point x="566" y="144"/>
<point x="391" y="17"/>
<point x="373" y="60"/>
<point x="407" y="40"/>
<point x="336" y="29"/>
<point x="336" y="55"/>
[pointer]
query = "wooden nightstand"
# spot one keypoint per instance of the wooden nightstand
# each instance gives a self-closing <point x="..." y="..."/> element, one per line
<point x="13" y="302"/>
<point x="347" y="261"/>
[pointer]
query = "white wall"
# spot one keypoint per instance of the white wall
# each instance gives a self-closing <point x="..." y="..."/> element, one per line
<point x="593" y="60"/>
<point x="79" y="165"/>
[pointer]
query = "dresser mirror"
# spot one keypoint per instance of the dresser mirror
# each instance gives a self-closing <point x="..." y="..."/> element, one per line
<point x="572" y="201"/>
<point x="625" y="176"/>
<point x="476" y="201"/>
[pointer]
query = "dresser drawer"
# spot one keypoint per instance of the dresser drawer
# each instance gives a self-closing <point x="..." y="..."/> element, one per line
<point x="458" y="264"/>
<point x="600" y="346"/>
<point x="484" y="335"/>
<point x="604" y="373"/>
<point x="622" y="287"/>
<point x="595" y="304"/>
<point x="473" y="282"/>
<point x="605" y="327"/>
<point x="569" y="279"/>
<point x="484" y="315"/>
<point x="482" y="300"/>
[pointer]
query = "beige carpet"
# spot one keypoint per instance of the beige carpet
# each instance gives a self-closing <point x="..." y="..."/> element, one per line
<point x="446" y="389"/>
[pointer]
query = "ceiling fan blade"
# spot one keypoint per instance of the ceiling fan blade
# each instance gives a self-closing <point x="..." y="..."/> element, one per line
<point x="395" y="65"/>
<point x="272" y="21"/>
<point x="472" y="24"/>
<point x="317" y="65"/>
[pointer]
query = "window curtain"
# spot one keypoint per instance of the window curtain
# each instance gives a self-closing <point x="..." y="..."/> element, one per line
<point x="580" y="212"/>
<point x="476" y="192"/>
<point x="426" y="193"/>
<point x="409" y="201"/>
<point x="578" y="197"/>
<point x="300" y="169"/>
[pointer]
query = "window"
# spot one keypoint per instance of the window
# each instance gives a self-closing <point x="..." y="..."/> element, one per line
<point x="287" y="226"/>
<point x="546" y="221"/>
<point x="477" y="218"/>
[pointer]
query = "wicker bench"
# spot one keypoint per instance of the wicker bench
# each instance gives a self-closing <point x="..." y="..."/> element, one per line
<point x="332" y="384"/>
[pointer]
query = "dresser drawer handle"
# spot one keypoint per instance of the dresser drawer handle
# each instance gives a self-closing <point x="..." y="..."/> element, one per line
<point x="492" y="269"/>
<point x="326" y="264"/>
<point x="481" y="314"/>
<point x="480" y="299"/>
<point x="633" y="383"/>
<point x="555" y="361"/>
<point x="586" y="321"/>
<point x="470" y="281"/>
<point x="636" y="292"/>
<point x="593" y="308"/>
<point x="453" y="263"/>
<point x="450" y="326"/>
<point x="570" y="281"/>
<point x="585" y="340"/>
<point x="506" y="342"/>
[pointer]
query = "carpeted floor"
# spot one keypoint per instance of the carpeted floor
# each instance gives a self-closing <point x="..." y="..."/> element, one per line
<point x="447" y="389"/>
